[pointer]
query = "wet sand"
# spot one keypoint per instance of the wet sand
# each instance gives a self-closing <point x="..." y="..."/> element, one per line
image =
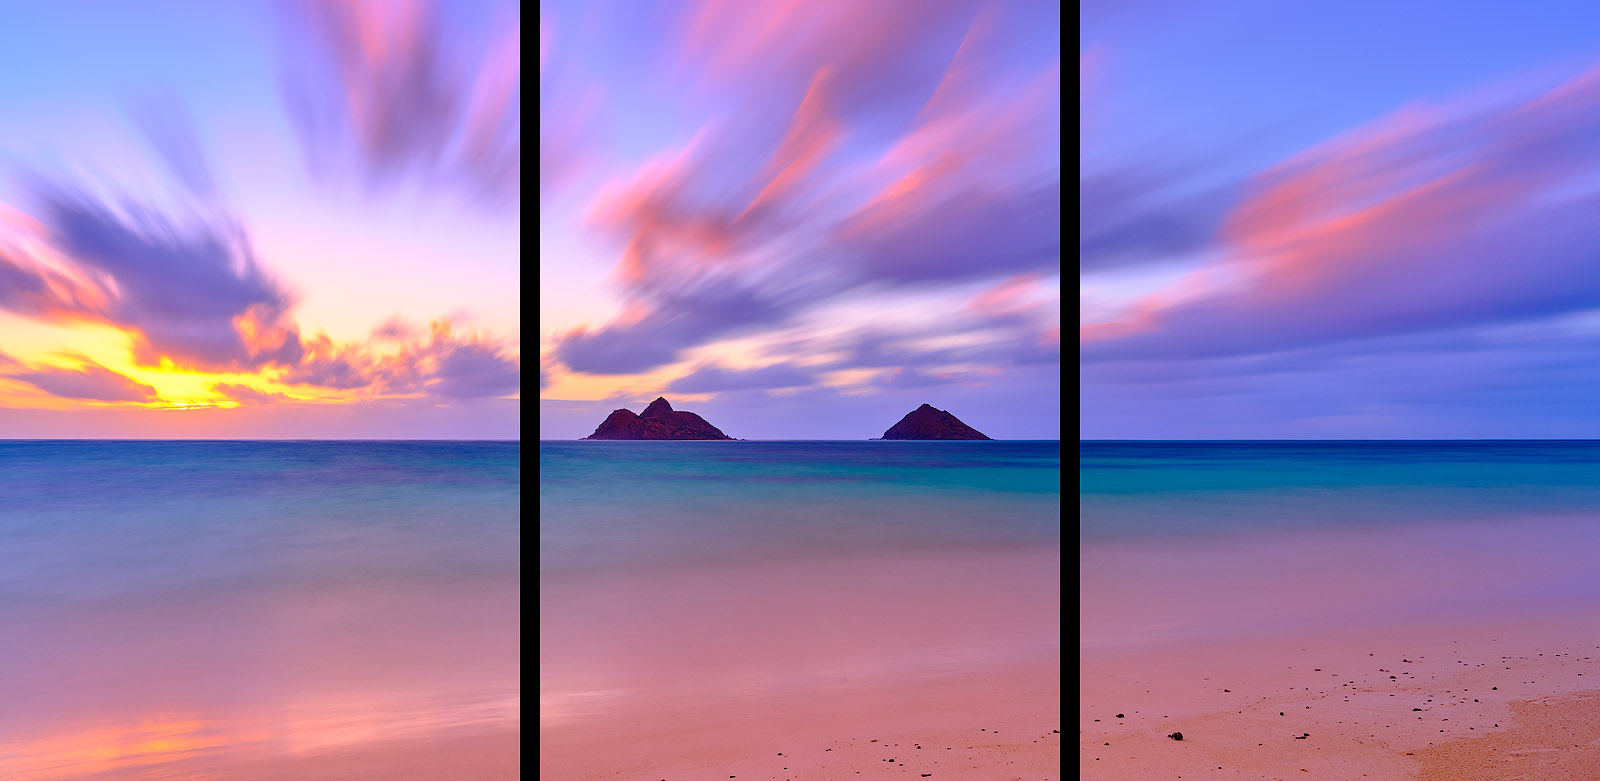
<point x="371" y="680"/>
<point x="1431" y="653"/>
<point x="947" y="663"/>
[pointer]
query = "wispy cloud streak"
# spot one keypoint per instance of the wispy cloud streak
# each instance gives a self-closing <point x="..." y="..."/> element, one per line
<point x="801" y="197"/>
<point x="380" y="90"/>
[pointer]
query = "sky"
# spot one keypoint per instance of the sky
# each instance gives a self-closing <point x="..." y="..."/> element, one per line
<point x="801" y="220"/>
<point x="253" y="219"/>
<point x="1339" y="220"/>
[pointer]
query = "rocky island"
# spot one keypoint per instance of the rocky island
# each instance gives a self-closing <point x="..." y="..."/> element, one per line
<point x="659" y="421"/>
<point x="925" y="422"/>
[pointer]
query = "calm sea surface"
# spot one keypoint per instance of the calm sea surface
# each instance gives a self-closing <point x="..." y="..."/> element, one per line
<point x="84" y="520"/>
<point x="605" y="505"/>
<point x="257" y="609"/>
<point x="745" y="576"/>
<point x="1136" y="490"/>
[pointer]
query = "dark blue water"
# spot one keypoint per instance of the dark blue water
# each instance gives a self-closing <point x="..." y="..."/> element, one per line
<point x="624" y="504"/>
<point x="97" y="520"/>
<point x="1135" y="490"/>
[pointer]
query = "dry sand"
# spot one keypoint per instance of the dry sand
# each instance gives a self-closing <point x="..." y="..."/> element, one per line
<point x="1474" y="656"/>
<point x="998" y="723"/>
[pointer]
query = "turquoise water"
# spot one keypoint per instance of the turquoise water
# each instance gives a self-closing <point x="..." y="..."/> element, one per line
<point x="184" y="609"/>
<point x="128" y="520"/>
<point x="1135" y="490"/>
<point x="626" y="504"/>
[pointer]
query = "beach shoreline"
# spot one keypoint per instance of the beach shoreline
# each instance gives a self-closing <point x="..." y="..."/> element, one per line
<point x="840" y="663"/>
<point x="1432" y="652"/>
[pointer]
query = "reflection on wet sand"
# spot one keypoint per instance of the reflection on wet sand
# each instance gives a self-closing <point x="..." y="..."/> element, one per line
<point x="362" y="678"/>
<point x="320" y="736"/>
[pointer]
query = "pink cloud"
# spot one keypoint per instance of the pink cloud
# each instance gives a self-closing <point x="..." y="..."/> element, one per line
<point x="762" y="215"/>
<point x="1010" y="296"/>
<point x="244" y="394"/>
<point x="967" y="140"/>
<point x="445" y="364"/>
<point x="811" y="135"/>
<point x="1424" y="219"/>
<point x="878" y="51"/>
<point x="189" y="290"/>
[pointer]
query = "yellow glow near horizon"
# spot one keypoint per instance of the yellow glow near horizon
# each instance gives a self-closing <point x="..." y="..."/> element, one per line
<point x="594" y="387"/>
<point x="32" y="345"/>
<point x="72" y="346"/>
<point x="192" y="405"/>
<point x="736" y="354"/>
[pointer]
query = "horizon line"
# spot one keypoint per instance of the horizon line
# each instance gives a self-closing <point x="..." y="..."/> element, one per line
<point x="278" y="439"/>
<point x="1388" y="439"/>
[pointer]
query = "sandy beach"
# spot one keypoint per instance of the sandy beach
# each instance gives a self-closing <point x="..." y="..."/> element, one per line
<point x="368" y="681"/>
<point x="937" y="664"/>
<point x="1430" y="653"/>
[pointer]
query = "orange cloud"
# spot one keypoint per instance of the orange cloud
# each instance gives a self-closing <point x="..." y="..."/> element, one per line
<point x="137" y="748"/>
<point x="244" y="394"/>
<point x="445" y="364"/>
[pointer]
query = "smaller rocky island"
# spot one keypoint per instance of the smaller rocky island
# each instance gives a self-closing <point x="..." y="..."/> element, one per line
<point x="659" y="421"/>
<point x="925" y="422"/>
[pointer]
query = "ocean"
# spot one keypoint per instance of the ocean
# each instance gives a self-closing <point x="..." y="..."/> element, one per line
<point x="739" y="582"/>
<point x="1134" y="490"/>
<point x="1183" y="541"/>
<point x="618" y="505"/>
<point x="195" y="605"/>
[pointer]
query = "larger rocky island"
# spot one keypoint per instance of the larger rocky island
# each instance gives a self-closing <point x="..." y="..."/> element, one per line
<point x="925" y="422"/>
<point x="659" y="421"/>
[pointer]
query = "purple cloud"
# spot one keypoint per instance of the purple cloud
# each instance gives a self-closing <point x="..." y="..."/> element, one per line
<point x="33" y="289"/>
<point x="395" y="329"/>
<point x="183" y="290"/>
<point x="470" y="371"/>
<point x="92" y="382"/>
<point x="1129" y="216"/>
<point x="382" y="83"/>
<point x="710" y="230"/>
<point x="170" y="131"/>
<point x="1516" y="382"/>
<point x="694" y="313"/>
<point x="972" y="235"/>
<point x="711" y="379"/>
<point x="1424" y="221"/>
<point x="329" y="365"/>
<point x="443" y="365"/>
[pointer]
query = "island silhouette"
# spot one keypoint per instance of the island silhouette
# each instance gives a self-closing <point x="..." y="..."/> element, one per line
<point x="660" y="421"/>
<point x="925" y="422"/>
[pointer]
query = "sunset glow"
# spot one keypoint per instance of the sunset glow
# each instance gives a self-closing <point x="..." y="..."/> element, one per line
<point x="299" y="219"/>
